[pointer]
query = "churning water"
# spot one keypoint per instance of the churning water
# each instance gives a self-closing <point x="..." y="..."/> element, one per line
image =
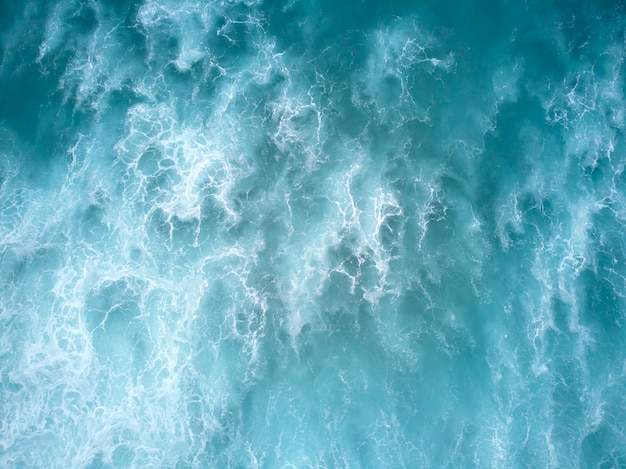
<point x="312" y="234"/>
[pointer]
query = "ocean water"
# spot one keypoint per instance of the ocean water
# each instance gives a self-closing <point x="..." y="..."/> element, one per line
<point x="312" y="234"/>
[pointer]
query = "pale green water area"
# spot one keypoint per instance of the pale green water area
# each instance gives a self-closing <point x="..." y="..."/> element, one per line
<point x="312" y="234"/>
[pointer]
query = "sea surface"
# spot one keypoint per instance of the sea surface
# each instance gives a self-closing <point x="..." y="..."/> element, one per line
<point x="312" y="234"/>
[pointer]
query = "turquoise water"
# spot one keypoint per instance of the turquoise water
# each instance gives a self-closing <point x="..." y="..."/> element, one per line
<point x="312" y="234"/>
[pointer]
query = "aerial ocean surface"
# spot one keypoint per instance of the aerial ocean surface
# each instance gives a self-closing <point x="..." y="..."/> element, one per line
<point x="312" y="234"/>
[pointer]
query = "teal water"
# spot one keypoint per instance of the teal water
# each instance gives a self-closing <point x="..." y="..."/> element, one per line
<point x="312" y="234"/>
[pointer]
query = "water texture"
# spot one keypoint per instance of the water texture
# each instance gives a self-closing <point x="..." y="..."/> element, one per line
<point x="312" y="234"/>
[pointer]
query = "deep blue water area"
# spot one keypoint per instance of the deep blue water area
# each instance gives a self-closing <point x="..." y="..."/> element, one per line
<point x="312" y="234"/>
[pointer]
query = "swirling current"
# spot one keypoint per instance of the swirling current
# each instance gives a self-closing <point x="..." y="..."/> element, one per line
<point x="312" y="234"/>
